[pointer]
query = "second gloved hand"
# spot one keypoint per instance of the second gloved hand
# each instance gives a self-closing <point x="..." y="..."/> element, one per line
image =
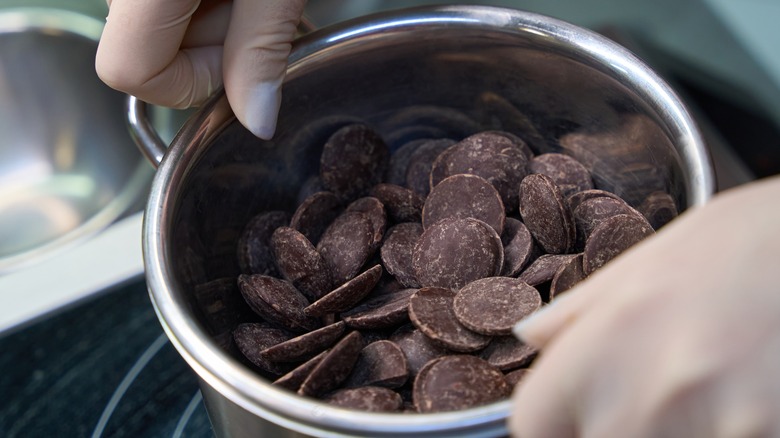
<point x="677" y="337"/>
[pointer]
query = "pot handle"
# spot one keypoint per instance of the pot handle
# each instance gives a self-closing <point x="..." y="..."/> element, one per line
<point x="141" y="129"/>
<point x="142" y="132"/>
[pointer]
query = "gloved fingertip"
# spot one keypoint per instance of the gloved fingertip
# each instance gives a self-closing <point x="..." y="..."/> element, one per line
<point x="539" y="327"/>
<point x="261" y="109"/>
<point x="526" y="331"/>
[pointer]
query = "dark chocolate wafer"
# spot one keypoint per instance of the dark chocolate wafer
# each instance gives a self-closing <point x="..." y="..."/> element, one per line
<point x="315" y="213"/>
<point x="417" y="177"/>
<point x="458" y="382"/>
<point x="610" y="238"/>
<point x="659" y="209"/>
<point x="346" y="245"/>
<point x="334" y="368"/>
<point x="543" y="269"/>
<point x="252" y="338"/>
<point x="546" y="215"/>
<point x="567" y="173"/>
<point x="277" y="301"/>
<point x="353" y="160"/>
<point x="254" y="248"/>
<point x="382" y="311"/>
<point x="403" y="205"/>
<point x="568" y="274"/>
<point x="293" y="379"/>
<point x="462" y="196"/>
<point x="430" y="310"/>
<point x="508" y="353"/>
<point x="366" y="398"/>
<point x="417" y="347"/>
<point x="492" y="156"/>
<point x="397" y="250"/>
<point x="347" y="295"/>
<point x="492" y="306"/>
<point x="519" y="247"/>
<point x="381" y="363"/>
<point x="305" y="346"/>
<point x="454" y="252"/>
<point x="376" y="213"/>
<point x="300" y="263"/>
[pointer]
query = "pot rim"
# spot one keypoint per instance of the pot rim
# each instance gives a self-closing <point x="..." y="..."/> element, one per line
<point x="251" y="392"/>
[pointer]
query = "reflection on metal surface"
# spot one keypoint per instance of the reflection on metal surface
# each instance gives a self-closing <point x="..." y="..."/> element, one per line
<point x="67" y="165"/>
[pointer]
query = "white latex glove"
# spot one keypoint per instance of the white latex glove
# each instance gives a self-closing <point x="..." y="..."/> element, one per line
<point x="175" y="53"/>
<point x="678" y="337"/>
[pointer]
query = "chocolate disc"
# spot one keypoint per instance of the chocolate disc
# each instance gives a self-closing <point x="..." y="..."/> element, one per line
<point x="611" y="237"/>
<point x="399" y="161"/>
<point x="367" y="398"/>
<point x="568" y="174"/>
<point x="417" y="347"/>
<point x="252" y="338"/>
<point x="458" y="382"/>
<point x="430" y="310"/>
<point x="382" y="311"/>
<point x="305" y="346"/>
<point x="454" y="252"/>
<point x="254" y="250"/>
<point x="417" y="176"/>
<point x="516" y="141"/>
<point x="222" y="305"/>
<point x="277" y="301"/>
<point x="519" y="247"/>
<point x="300" y="263"/>
<point x="353" y="160"/>
<point x="508" y="353"/>
<point x="575" y="199"/>
<point x="397" y="252"/>
<point x="568" y="274"/>
<point x="346" y="295"/>
<point x="439" y="168"/>
<point x="403" y="205"/>
<point x="544" y="268"/>
<point x="659" y="209"/>
<point x="591" y="212"/>
<point x="492" y="156"/>
<point x="381" y="363"/>
<point x="492" y="306"/>
<point x="346" y="245"/>
<point x="462" y="196"/>
<point x="377" y="216"/>
<point x="546" y="214"/>
<point x="293" y="379"/>
<point x="315" y="214"/>
<point x="334" y="368"/>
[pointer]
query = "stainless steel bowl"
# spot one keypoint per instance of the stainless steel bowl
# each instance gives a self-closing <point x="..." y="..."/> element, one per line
<point x="400" y="72"/>
<point x="67" y="168"/>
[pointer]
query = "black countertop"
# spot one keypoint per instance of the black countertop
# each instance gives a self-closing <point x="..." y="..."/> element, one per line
<point x="102" y="369"/>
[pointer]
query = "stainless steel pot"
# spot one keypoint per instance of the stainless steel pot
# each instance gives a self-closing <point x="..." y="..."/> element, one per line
<point x="489" y="68"/>
<point x="67" y="171"/>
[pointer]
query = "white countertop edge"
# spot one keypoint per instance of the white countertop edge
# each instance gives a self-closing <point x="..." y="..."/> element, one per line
<point x="108" y="259"/>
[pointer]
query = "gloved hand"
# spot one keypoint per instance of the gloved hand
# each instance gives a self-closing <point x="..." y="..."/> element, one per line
<point x="678" y="337"/>
<point x="175" y="53"/>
